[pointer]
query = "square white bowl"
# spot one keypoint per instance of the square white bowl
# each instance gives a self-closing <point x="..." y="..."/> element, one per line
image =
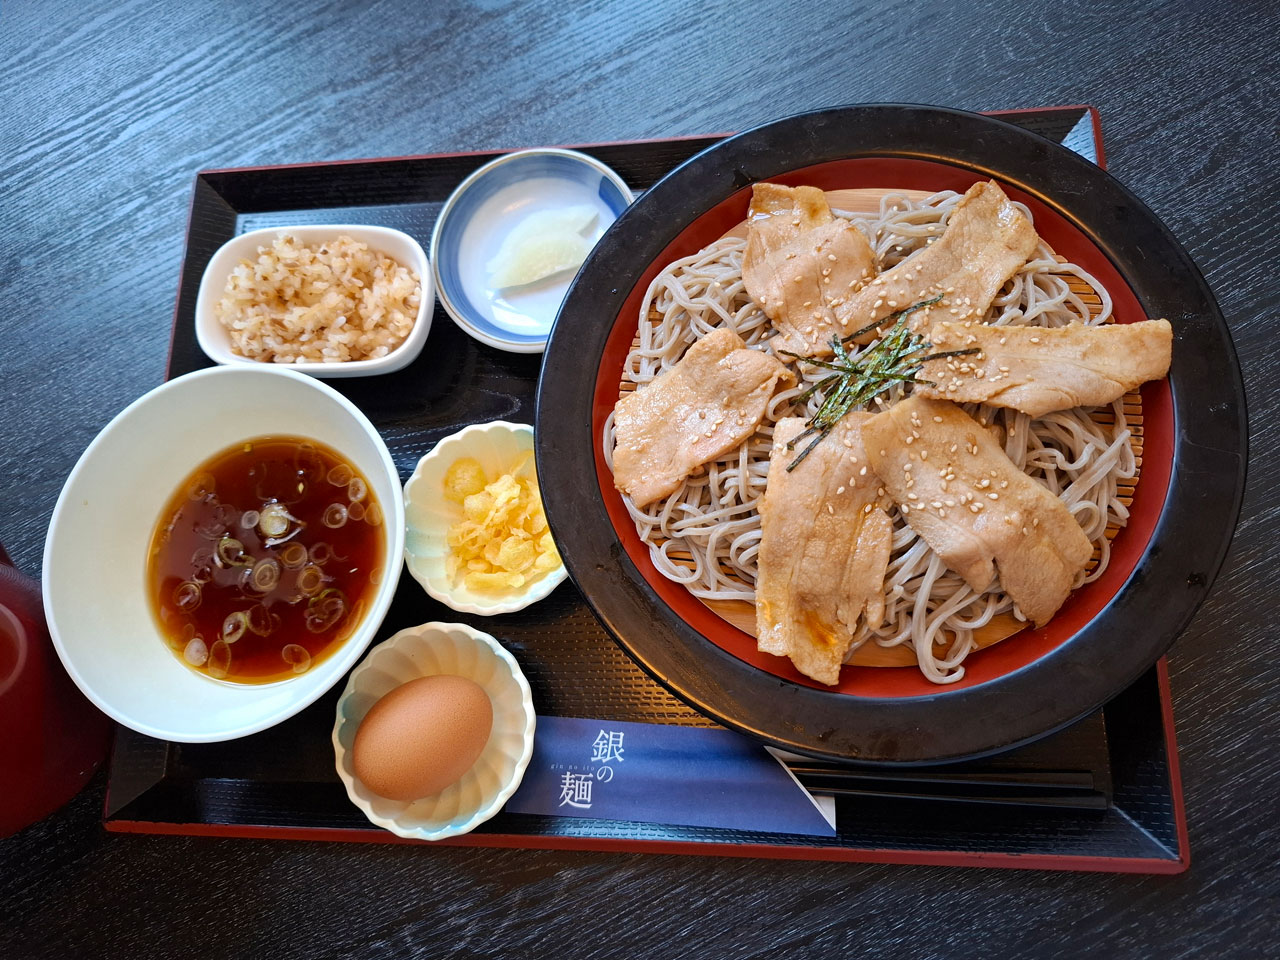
<point x="215" y="340"/>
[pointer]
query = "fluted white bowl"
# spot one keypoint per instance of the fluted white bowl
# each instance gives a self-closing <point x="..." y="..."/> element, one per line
<point x="428" y="516"/>
<point x="441" y="649"/>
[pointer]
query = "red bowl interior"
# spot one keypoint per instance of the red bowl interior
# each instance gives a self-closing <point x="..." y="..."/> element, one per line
<point x="983" y="665"/>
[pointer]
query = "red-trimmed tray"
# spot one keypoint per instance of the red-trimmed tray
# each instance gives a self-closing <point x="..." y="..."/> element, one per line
<point x="281" y="783"/>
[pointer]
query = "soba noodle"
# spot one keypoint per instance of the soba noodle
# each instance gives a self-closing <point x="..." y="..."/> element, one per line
<point x="706" y="535"/>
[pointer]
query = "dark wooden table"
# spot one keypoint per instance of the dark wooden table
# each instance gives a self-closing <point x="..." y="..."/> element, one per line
<point x="108" y="109"/>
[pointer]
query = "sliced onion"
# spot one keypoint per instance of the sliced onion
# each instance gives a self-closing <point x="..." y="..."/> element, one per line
<point x="293" y="556"/>
<point x="266" y="574"/>
<point x="187" y="596"/>
<point x="219" y="660"/>
<point x="201" y="485"/>
<point x="373" y="515"/>
<point x="325" y="610"/>
<point x="273" y="520"/>
<point x="340" y="475"/>
<point x="234" y="626"/>
<point x="202" y="565"/>
<point x="375" y="576"/>
<point x="310" y="580"/>
<point x="355" y="511"/>
<point x="249" y="519"/>
<point x="261" y="620"/>
<point x="230" y="553"/>
<point x="276" y="541"/>
<point x="321" y="553"/>
<point x="296" y="656"/>
<point x="335" y="515"/>
<point x="196" y="652"/>
<point x="356" y="490"/>
<point x="211" y="529"/>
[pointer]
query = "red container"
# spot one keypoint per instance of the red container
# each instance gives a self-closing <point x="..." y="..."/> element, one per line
<point x="53" y="737"/>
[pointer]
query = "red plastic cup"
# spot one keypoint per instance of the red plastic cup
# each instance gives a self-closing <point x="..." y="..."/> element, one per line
<point x="53" y="737"/>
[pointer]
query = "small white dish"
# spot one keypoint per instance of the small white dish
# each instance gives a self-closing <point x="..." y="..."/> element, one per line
<point x="436" y="649"/>
<point x="215" y="340"/>
<point x="482" y="212"/>
<point x="428" y="515"/>
<point x="95" y="557"/>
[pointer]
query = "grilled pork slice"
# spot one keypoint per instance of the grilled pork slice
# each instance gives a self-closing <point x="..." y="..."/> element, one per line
<point x="801" y="264"/>
<point x="974" y="507"/>
<point x="986" y="240"/>
<point x="824" y="547"/>
<point x="705" y="405"/>
<point x="1041" y="369"/>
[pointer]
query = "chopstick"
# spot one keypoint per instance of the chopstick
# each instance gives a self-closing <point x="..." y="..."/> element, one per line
<point x="1092" y="800"/>
<point x="1060" y="789"/>
<point x="1064" y="779"/>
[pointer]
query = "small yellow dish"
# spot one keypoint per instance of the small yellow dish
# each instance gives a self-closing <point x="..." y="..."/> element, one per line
<point x="499" y="448"/>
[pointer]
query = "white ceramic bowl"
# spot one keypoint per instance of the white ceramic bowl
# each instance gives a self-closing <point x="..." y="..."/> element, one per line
<point x="428" y="515"/>
<point x="95" y="556"/>
<point x="215" y="341"/>
<point x="479" y="215"/>
<point x="435" y="649"/>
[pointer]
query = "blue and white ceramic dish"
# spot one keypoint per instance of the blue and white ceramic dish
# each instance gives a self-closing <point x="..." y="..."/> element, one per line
<point x="479" y="216"/>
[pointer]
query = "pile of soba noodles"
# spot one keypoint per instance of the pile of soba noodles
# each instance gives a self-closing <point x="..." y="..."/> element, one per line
<point x="706" y="535"/>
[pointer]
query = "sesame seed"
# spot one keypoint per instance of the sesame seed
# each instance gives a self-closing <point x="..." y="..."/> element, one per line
<point x="937" y="419"/>
<point x="831" y="509"/>
<point x="867" y="508"/>
<point x="909" y="441"/>
<point x="893" y="303"/>
<point x="839" y="490"/>
<point x="1035" y="339"/>
<point x="796" y="279"/>
<point x="905" y="509"/>
<point x="993" y="496"/>
<point x="862" y="472"/>
<point x="924" y="454"/>
<point x="831" y="257"/>
<point x="974" y="507"/>
<point x="906" y="468"/>
<point x="912" y="496"/>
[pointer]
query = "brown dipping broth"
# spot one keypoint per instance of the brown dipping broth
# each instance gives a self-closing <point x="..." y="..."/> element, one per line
<point x="265" y="559"/>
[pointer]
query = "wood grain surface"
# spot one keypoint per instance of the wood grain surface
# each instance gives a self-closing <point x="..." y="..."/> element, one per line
<point x="110" y="108"/>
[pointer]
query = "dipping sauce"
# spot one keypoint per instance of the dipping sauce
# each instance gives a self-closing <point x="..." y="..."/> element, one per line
<point x="265" y="559"/>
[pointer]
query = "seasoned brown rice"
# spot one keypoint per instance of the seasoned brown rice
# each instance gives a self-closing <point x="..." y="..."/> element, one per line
<point x="318" y="304"/>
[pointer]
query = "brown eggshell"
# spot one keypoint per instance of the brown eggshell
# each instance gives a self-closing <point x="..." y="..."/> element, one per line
<point x="422" y="737"/>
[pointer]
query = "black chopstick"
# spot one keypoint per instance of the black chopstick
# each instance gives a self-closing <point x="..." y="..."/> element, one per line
<point x="1055" y="789"/>
<point x="1075" y="800"/>
<point x="1014" y="779"/>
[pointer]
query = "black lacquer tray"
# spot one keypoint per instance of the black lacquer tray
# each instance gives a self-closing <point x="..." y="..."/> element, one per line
<point x="281" y="783"/>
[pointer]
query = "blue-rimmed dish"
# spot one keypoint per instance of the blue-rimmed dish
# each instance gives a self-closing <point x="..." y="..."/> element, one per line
<point x="484" y="210"/>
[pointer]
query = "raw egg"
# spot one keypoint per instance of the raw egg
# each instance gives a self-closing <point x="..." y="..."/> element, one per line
<point x="422" y="737"/>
